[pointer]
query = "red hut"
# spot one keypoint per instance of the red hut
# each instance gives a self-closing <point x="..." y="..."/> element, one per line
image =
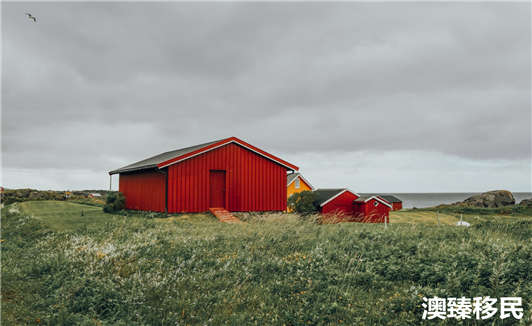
<point x="336" y="202"/>
<point x="227" y="173"/>
<point x="372" y="209"/>
<point x="397" y="204"/>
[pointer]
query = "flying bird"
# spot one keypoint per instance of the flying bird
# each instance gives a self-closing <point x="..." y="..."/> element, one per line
<point x="30" y="16"/>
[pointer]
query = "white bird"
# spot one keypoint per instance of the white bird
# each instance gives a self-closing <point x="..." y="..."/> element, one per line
<point x="30" y="16"/>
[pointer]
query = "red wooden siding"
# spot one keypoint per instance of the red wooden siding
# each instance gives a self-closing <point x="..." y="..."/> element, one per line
<point x="368" y="212"/>
<point x="397" y="206"/>
<point x="253" y="182"/>
<point x="143" y="190"/>
<point x="342" y="204"/>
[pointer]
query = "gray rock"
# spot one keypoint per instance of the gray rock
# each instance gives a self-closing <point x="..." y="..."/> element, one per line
<point x="491" y="199"/>
<point x="526" y="202"/>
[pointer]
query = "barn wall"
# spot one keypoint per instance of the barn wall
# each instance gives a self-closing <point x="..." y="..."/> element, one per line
<point x="376" y="214"/>
<point x="341" y="204"/>
<point x="397" y="206"/>
<point x="143" y="190"/>
<point x="359" y="210"/>
<point x="253" y="183"/>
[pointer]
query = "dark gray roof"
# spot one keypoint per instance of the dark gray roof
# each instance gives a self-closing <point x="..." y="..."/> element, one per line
<point x="290" y="177"/>
<point x="388" y="198"/>
<point x="322" y="195"/>
<point x="363" y="198"/>
<point x="152" y="162"/>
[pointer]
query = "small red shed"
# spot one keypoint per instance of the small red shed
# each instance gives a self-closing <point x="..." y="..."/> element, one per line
<point x="372" y="209"/>
<point x="397" y="206"/>
<point x="227" y="173"/>
<point x="337" y="202"/>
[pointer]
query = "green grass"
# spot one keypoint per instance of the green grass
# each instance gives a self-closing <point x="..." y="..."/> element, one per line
<point x="65" y="216"/>
<point x="422" y="217"/>
<point x="513" y="210"/>
<point x="59" y="268"/>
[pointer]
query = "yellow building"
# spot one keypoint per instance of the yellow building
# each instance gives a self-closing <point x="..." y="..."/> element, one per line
<point x="295" y="182"/>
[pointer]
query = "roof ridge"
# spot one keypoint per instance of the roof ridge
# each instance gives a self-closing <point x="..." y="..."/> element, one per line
<point x="169" y="157"/>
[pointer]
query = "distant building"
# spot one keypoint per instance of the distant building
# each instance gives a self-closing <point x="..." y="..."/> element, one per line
<point x="372" y="209"/>
<point x="295" y="183"/>
<point x="348" y="206"/>
<point x="95" y="195"/>
<point x="397" y="204"/>
<point x="337" y="201"/>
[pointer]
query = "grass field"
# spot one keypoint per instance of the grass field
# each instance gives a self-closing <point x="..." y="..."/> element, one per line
<point x="64" y="216"/>
<point x="422" y="217"/>
<point x="62" y="268"/>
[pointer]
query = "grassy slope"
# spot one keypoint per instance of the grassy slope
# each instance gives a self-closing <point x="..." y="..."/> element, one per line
<point x="422" y="217"/>
<point x="64" y="216"/>
<point x="62" y="268"/>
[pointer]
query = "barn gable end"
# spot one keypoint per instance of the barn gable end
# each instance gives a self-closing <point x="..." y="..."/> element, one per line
<point x="228" y="173"/>
<point x="336" y="201"/>
<point x="252" y="182"/>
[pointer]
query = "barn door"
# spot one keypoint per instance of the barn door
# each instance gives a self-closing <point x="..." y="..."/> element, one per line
<point x="217" y="188"/>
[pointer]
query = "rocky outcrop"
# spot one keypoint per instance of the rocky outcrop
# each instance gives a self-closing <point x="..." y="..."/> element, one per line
<point x="526" y="202"/>
<point x="491" y="199"/>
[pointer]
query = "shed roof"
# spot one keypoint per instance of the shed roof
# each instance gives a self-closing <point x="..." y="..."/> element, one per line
<point x="366" y="198"/>
<point x="168" y="158"/>
<point x="388" y="198"/>
<point x="323" y="196"/>
<point x="152" y="162"/>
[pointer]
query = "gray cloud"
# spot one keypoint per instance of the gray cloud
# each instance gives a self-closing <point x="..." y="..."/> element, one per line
<point x="97" y="85"/>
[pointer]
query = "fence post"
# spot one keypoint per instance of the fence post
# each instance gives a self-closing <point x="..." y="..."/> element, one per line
<point x="438" y="217"/>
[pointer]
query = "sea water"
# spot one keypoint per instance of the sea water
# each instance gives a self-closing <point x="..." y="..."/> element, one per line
<point x="420" y="200"/>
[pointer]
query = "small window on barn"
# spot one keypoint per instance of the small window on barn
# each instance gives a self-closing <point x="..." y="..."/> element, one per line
<point x="376" y="203"/>
<point x="297" y="183"/>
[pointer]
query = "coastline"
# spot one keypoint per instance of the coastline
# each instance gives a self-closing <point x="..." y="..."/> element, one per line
<point x="425" y="200"/>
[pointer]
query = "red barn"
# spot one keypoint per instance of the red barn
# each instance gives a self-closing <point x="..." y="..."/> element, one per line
<point x="372" y="209"/>
<point x="337" y="202"/>
<point x="228" y="173"/>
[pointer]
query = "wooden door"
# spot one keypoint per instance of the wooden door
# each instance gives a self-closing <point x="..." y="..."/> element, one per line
<point x="217" y="188"/>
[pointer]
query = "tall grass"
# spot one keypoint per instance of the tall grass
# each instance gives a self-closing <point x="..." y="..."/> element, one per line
<point x="277" y="270"/>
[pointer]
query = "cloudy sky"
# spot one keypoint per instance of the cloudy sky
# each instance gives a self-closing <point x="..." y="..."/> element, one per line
<point x="387" y="97"/>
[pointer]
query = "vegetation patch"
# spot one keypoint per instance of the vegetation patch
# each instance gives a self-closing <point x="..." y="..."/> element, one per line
<point x="303" y="203"/>
<point x="114" y="202"/>
<point x="191" y="269"/>
<point x="422" y="217"/>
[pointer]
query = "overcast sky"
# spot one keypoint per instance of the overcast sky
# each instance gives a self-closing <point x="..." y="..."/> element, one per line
<point x="377" y="97"/>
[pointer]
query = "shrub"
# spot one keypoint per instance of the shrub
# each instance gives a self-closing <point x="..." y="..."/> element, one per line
<point x="303" y="203"/>
<point x="114" y="202"/>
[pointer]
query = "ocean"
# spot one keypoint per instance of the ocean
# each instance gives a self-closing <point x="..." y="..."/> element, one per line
<point x="420" y="200"/>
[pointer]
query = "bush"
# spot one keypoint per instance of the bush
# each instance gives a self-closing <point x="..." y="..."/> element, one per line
<point x="114" y="202"/>
<point x="303" y="202"/>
